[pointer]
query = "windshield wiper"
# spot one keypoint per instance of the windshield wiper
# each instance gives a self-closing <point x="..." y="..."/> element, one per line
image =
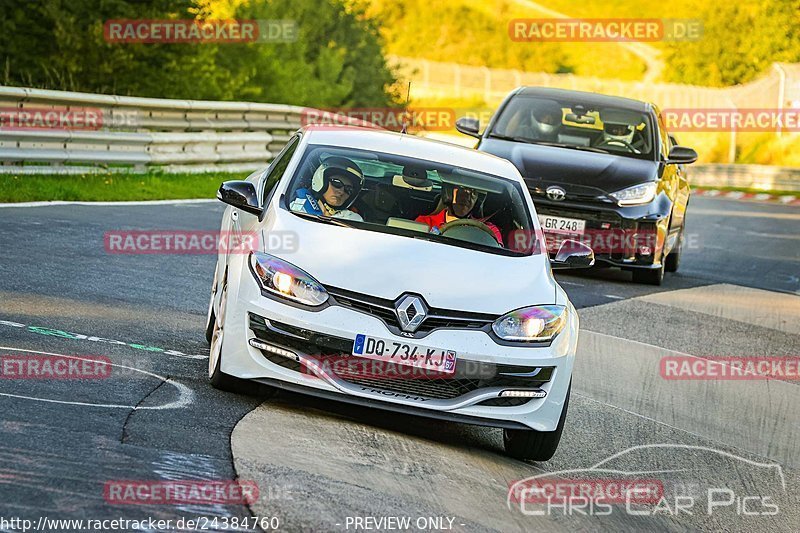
<point x="326" y="220"/>
<point x="590" y="149"/>
<point x="510" y="138"/>
<point x="549" y="143"/>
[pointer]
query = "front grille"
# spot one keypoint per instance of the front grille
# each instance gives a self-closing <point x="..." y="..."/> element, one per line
<point x="468" y="376"/>
<point x="442" y="389"/>
<point x="384" y="309"/>
<point x="600" y="226"/>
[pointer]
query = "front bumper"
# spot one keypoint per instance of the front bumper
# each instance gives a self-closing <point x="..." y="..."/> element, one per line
<point x="300" y="341"/>
<point x="626" y="237"/>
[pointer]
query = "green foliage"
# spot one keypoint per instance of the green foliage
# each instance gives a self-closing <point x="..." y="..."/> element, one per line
<point x="59" y="44"/>
<point x="462" y="32"/>
<point x="477" y="34"/>
<point x="740" y="41"/>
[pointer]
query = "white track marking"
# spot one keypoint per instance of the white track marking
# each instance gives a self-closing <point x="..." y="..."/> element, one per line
<point x="185" y="394"/>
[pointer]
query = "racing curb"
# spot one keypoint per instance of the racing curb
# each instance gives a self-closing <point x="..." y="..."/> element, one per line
<point x="787" y="199"/>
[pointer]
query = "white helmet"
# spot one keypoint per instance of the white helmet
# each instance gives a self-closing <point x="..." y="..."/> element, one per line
<point x="337" y="166"/>
<point x="546" y="118"/>
<point x="619" y="125"/>
<point x="617" y="131"/>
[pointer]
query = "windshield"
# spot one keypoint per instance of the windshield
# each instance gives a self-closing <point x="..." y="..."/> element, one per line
<point x="411" y="197"/>
<point x="576" y="125"/>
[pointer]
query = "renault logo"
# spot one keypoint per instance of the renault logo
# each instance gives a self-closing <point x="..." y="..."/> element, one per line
<point x="556" y="193"/>
<point x="411" y="311"/>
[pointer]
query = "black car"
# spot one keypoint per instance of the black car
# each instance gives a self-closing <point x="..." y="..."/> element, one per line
<point x="600" y="169"/>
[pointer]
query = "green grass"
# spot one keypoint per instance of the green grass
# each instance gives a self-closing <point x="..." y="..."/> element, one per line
<point x="116" y="186"/>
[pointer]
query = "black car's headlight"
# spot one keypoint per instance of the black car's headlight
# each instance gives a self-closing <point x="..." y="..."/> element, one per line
<point x="638" y="194"/>
<point x="531" y="324"/>
<point x="286" y="280"/>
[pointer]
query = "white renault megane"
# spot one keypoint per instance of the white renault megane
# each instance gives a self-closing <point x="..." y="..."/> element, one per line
<point x="400" y="273"/>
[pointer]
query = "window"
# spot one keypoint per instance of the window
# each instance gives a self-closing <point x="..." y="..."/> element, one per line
<point x="412" y="197"/>
<point x="278" y="167"/>
<point x="576" y="124"/>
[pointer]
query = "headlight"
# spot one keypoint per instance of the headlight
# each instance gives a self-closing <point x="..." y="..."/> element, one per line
<point x="638" y="194"/>
<point x="286" y="280"/>
<point x="537" y="323"/>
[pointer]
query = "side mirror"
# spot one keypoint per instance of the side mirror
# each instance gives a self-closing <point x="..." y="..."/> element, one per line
<point x="469" y="126"/>
<point x="573" y="254"/>
<point x="681" y="155"/>
<point x="240" y="194"/>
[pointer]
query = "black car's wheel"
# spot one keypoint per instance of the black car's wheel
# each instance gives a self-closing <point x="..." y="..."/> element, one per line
<point x="673" y="260"/>
<point x="531" y="445"/>
<point x="650" y="276"/>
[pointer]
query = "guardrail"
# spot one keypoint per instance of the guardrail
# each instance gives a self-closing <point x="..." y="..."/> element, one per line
<point x="761" y="177"/>
<point x="138" y="132"/>
<point x="193" y="135"/>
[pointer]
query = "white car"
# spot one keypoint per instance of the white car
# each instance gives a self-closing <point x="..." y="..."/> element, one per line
<point x="427" y="290"/>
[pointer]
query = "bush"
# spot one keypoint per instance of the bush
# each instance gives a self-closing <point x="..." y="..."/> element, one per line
<point x="59" y="44"/>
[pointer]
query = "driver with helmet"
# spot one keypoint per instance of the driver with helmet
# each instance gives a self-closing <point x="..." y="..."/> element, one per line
<point x="334" y="187"/>
<point x="619" y="128"/>
<point x="456" y="203"/>
<point x="615" y="131"/>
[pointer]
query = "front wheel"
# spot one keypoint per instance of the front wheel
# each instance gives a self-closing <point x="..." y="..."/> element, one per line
<point x="673" y="260"/>
<point x="219" y="379"/>
<point x="532" y="445"/>
<point x="650" y="276"/>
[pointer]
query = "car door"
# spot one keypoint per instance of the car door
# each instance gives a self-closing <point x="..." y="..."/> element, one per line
<point x="673" y="179"/>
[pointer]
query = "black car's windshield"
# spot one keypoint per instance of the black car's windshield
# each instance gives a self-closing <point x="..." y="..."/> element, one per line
<point x="576" y="125"/>
<point x="412" y="197"/>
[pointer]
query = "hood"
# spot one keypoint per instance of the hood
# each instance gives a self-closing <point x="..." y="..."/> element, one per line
<point x="386" y="266"/>
<point x="578" y="172"/>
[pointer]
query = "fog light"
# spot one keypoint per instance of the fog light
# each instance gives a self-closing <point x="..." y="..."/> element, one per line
<point x="523" y="394"/>
<point x="255" y="343"/>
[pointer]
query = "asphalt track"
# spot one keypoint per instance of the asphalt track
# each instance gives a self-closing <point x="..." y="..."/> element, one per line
<point x="323" y="466"/>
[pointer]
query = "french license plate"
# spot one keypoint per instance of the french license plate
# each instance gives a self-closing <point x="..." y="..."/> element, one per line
<point x="564" y="226"/>
<point x="404" y="353"/>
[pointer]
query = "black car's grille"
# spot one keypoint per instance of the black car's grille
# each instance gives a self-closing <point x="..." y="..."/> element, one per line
<point x="385" y="310"/>
<point x="468" y="376"/>
<point x="574" y="193"/>
<point x="605" y="230"/>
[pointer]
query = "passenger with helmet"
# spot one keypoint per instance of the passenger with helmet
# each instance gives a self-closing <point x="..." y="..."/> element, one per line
<point x="334" y="187"/>
<point x="456" y="203"/>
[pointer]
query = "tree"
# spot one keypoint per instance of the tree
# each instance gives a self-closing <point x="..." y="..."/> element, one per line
<point x="59" y="44"/>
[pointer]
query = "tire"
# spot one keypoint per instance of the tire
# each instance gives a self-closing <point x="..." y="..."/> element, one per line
<point x="673" y="260"/>
<point x="210" y="320"/>
<point x="650" y="276"/>
<point x="211" y="317"/>
<point x="217" y="378"/>
<point x="531" y="445"/>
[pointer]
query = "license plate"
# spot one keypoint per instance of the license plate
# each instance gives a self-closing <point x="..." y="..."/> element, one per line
<point x="565" y="226"/>
<point x="404" y="353"/>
